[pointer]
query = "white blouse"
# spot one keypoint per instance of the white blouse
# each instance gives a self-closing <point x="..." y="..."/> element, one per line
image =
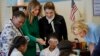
<point x="15" y="52"/>
<point x="47" y="52"/>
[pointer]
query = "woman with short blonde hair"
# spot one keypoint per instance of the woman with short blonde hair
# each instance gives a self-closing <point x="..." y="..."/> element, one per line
<point x="90" y="32"/>
<point x="79" y="26"/>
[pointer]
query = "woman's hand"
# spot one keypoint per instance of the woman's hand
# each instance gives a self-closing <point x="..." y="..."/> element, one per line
<point x="41" y="41"/>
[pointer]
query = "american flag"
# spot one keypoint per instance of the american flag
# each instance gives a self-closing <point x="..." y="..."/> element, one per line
<point x="73" y="10"/>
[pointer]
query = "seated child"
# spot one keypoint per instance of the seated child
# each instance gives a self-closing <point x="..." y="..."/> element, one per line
<point x="18" y="47"/>
<point x="52" y="49"/>
<point x="66" y="48"/>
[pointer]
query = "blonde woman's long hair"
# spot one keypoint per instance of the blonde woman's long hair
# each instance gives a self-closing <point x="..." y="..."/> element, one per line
<point x="32" y="4"/>
<point x="80" y="25"/>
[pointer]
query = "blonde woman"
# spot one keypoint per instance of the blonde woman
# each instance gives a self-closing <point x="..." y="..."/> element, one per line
<point x="90" y="32"/>
<point x="31" y="29"/>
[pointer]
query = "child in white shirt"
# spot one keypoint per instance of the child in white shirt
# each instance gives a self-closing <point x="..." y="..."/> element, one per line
<point x="18" y="47"/>
<point x="52" y="50"/>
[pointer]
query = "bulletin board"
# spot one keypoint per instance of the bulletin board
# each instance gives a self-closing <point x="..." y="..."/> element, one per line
<point x="96" y="7"/>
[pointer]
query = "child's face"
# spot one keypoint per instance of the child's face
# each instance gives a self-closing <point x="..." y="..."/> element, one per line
<point x="23" y="48"/>
<point x="53" y="43"/>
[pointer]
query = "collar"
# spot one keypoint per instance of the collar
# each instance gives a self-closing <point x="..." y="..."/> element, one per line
<point x="10" y="21"/>
<point x="53" y="50"/>
<point x="14" y="27"/>
<point x="50" y="19"/>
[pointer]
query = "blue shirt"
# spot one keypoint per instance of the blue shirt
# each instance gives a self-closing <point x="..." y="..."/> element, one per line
<point x="93" y="34"/>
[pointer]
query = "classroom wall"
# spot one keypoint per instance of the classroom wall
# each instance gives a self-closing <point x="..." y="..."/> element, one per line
<point x="62" y="8"/>
<point x="0" y="16"/>
<point x="6" y="13"/>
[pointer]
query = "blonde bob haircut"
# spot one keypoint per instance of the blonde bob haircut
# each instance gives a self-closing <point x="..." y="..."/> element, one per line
<point x="80" y="25"/>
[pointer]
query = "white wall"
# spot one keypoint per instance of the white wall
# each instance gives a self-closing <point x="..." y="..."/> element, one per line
<point x="5" y="13"/>
<point x="63" y="8"/>
<point x="0" y="17"/>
